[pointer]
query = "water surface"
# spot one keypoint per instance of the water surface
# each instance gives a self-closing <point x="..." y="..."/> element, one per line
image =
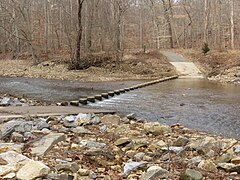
<point x="195" y="103"/>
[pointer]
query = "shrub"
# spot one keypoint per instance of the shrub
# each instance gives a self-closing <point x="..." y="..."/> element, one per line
<point x="205" y="48"/>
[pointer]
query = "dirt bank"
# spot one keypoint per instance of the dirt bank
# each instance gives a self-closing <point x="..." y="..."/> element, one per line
<point x="218" y="66"/>
<point x="134" y="65"/>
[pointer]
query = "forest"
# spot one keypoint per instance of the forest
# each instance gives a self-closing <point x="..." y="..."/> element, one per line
<point x="50" y="26"/>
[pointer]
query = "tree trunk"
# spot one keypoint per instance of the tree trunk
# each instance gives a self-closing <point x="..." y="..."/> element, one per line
<point x="79" y="35"/>
<point x="168" y="19"/>
<point x="232" y="24"/>
<point x="206" y="15"/>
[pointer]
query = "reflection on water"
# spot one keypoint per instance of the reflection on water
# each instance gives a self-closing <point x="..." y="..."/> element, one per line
<point x="197" y="104"/>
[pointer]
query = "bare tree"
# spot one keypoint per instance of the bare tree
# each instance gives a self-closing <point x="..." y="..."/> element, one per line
<point x="79" y="34"/>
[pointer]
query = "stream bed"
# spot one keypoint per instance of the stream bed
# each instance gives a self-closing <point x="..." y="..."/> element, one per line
<point x="195" y="103"/>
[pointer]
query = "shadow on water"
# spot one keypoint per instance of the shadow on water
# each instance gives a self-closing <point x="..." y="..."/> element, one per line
<point x="195" y="103"/>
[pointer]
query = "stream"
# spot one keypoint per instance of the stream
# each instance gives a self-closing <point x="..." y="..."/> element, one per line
<point x="195" y="103"/>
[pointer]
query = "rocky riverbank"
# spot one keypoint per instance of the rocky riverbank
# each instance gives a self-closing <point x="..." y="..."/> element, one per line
<point x="109" y="147"/>
<point x="8" y="100"/>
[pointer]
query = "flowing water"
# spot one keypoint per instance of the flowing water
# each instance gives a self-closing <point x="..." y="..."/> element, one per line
<point x="195" y="103"/>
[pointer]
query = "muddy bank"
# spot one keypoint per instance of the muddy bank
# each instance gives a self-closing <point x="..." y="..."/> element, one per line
<point x="218" y="66"/>
<point x="133" y="66"/>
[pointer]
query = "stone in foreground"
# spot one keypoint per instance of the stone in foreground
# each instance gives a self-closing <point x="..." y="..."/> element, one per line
<point x="111" y="120"/>
<point x="207" y="165"/>
<point x="46" y="143"/>
<point x="33" y="170"/>
<point x="191" y="174"/>
<point x="156" y="128"/>
<point x="155" y="173"/>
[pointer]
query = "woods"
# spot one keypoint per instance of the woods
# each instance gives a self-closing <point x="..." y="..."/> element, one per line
<point x="36" y="26"/>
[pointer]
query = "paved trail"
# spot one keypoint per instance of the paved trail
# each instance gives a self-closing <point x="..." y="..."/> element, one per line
<point x="185" y="68"/>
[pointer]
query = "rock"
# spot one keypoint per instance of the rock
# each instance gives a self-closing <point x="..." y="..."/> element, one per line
<point x="207" y="165"/>
<point x="125" y="120"/>
<point x="92" y="144"/>
<point x="5" y="101"/>
<point x="139" y="156"/>
<point x="236" y="160"/>
<point x="63" y="130"/>
<point x="196" y="160"/>
<point x="29" y="135"/>
<point x="156" y="128"/>
<point x="111" y="120"/>
<point x="57" y="176"/>
<point x="225" y="158"/>
<point x="33" y="170"/>
<point x="16" y="137"/>
<point x="131" y="116"/>
<point x="122" y="129"/>
<point x="226" y="166"/>
<point x="92" y="175"/>
<point x="237" y="149"/>
<point x="173" y="148"/>
<point x="122" y="141"/>
<point x="23" y="127"/>
<point x="42" y="125"/>
<point x="46" y="143"/>
<point x="11" y="157"/>
<point x="191" y="174"/>
<point x="131" y="166"/>
<point x="155" y="145"/>
<point x="152" y="168"/>
<point x="138" y="143"/>
<point x="207" y="144"/>
<point x="84" y="172"/>
<point x="69" y="122"/>
<point x="147" y="158"/>
<point x="181" y="141"/>
<point x="6" y="169"/>
<point x="103" y="128"/>
<point x="9" y="176"/>
<point x="203" y="145"/>
<point x="83" y="119"/>
<point x="81" y="130"/>
<point x="101" y="170"/>
<point x="4" y="147"/>
<point x="65" y="103"/>
<point x="9" y="127"/>
<point x="72" y="167"/>
<point x="154" y="173"/>
<point x="95" y="120"/>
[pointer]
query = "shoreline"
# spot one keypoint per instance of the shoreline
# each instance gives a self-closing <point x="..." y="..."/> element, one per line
<point x="89" y="146"/>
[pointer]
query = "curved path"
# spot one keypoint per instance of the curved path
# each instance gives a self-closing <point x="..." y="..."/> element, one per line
<point x="185" y="68"/>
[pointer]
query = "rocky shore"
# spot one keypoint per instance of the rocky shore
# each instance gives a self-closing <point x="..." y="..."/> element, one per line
<point x="110" y="147"/>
